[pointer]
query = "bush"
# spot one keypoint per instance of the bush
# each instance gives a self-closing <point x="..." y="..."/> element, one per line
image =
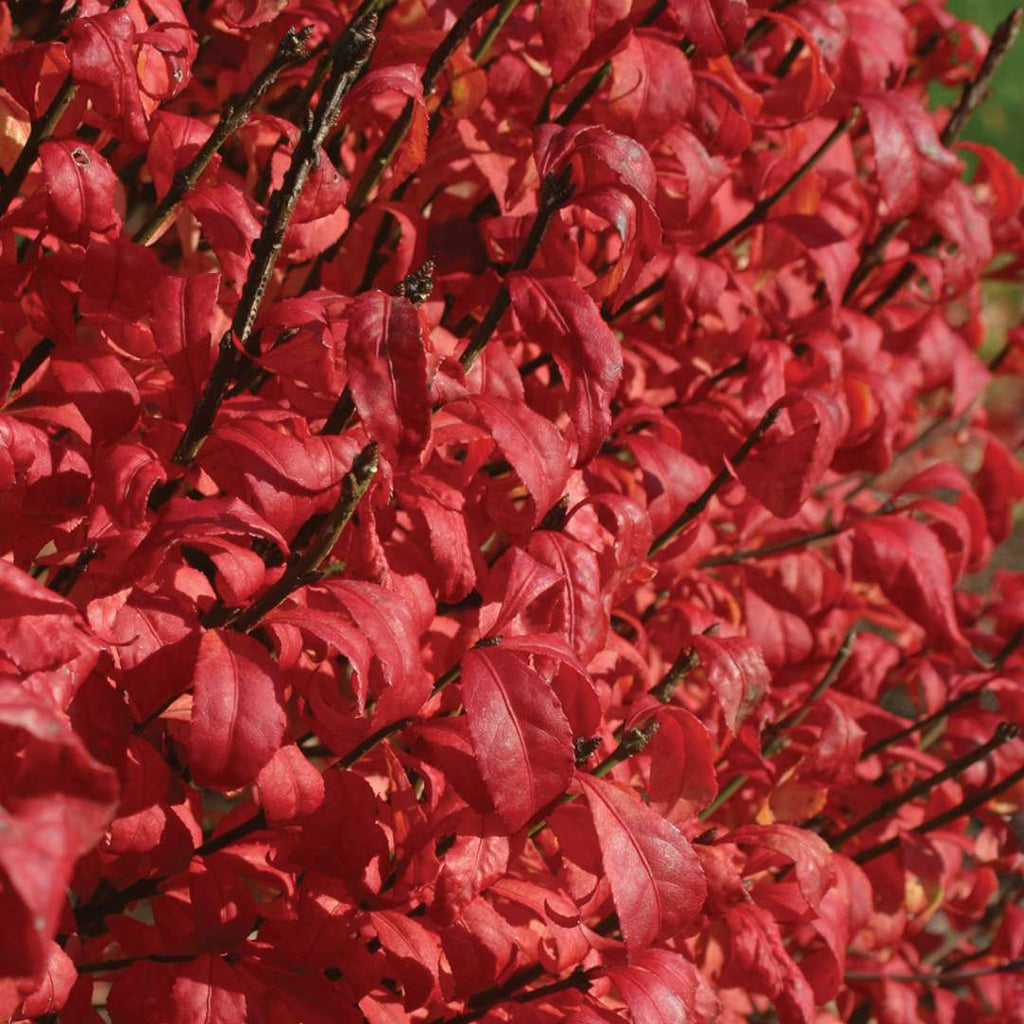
<point x="501" y="518"/>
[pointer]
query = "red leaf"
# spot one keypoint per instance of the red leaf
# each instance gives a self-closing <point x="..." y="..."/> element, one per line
<point x="560" y="316"/>
<point x="534" y="448"/>
<point x="912" y="163"/>
<point x="237" y="718"/>
<point x="657" y="883"/>
<point x="385" y="352"/>
<point x="516" y="580"/>
<point x="522" y="739"/>
<point x="289" y="786"/>
<point x="413" y="951"/>
<point x="184" y="310"/>
<point x="682" y="773"/>
<point x="789" y="462"/>
<point x="81" y="186"/>
<point x="570" y="27"/>
<point x="756" y="960"/>
<point x="102" y="55"/>
<point x="403" y="79"/>
<point x="662" y="987"/>
<point x="809" y="853"/>
<point x="651" y="87"/>
<point x="715" y="26"/>
<point x="580" y="614"/>
<point x="229" y="225"/>
<point x="55" y="803"/>
<point x="615" y="179"/>
<point x="735" y="668"/>
<point x="906" y="559"/>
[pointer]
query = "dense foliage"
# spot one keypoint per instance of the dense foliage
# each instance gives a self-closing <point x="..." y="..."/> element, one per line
<point x="500" y="514"/>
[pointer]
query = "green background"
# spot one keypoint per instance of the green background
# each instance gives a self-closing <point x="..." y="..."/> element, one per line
<point x="1000" y="122"/>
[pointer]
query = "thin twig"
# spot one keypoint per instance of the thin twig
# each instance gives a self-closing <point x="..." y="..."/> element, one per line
<point x="268" y="246"/>
<point x="973" y="95"/>
<point x="359" y="197"/>
<point x="38" y="134"/>
<point x="700" y="503"/>
<point x="556" y="190"/>
<point x="1003" y="734"/>
<point x="305" y="568"/>
<point x="945" y="818"/>
<point x="791" y="543"/>
<point x="757" y="214"/>
<point x="773" y="738"/>
<point x="938" y="979"/>
<point x="291" y="50"/>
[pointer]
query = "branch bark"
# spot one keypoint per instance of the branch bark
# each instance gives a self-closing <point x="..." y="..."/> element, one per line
<point x="291" y="50"/>
<point x="344" y="72"/>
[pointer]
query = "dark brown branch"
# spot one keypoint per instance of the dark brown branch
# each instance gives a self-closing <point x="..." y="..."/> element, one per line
<point x="773" y="738"/>
<point x="67" y="576"/>
<point x="305" y="568"/>
<point x="496" y="24"/>
<point x="589" y="88"/>
<point x="790" y="544"/>
<point x="361" y="749"/>
<point x="359" y="197"/>
<point x="268" y="246"/>
<point x="757" y="214"/>
<point x="1003" y="734"/>
<point x="924" y="723"/>
<point x="89" y="916"/>
<point x="771" y="741"/>
<point x="975" y="92"/>
<point x="305" y="99"/>
<point x="946" y="817"/>
<point x="556" y="190"/>
<point x="686" y="662"/>
<point x="38" y="134"/>
<point x="954" y="704"/>
<point x="973" y="95"/>
<point x="290" y="51"/>
<point x="938" y="979"/>
<point x="35" y="358"/>
<point x="700" y="503"/>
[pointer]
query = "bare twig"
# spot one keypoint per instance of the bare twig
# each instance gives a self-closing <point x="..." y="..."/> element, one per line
<point x="305" y="568"/>
<point x="938" y="978"/>
<point x="973" y="95"/>
<point x="556" y="190"/>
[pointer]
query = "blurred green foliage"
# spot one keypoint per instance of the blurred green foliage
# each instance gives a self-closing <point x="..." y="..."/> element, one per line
<point x="998" y="123"/>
